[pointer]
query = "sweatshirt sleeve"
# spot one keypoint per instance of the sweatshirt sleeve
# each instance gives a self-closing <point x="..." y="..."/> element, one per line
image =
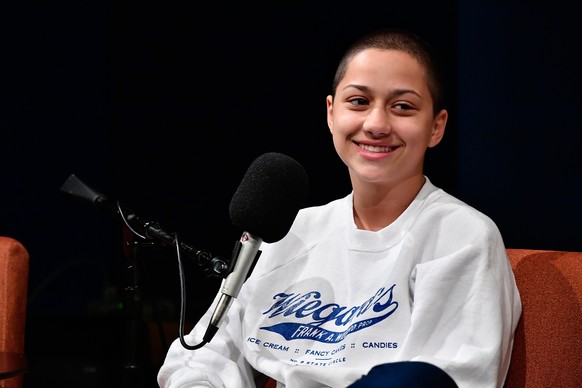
<point x="466" y="308"/>
<point x="218" y="364"/>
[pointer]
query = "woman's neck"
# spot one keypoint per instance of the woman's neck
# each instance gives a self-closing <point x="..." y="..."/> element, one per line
<point x="377" y="206"/>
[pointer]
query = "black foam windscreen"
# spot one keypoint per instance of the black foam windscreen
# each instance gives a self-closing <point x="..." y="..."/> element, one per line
<point x="269" y="196"/>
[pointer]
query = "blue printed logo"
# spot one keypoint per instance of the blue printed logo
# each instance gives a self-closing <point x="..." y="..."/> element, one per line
<point x="322" y="318"/>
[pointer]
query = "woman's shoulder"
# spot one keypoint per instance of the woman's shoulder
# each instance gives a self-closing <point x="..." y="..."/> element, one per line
<point x="324" y="213"/>
<point x="443" y="210"/>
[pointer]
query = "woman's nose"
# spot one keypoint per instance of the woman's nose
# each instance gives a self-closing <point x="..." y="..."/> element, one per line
<point x="377" y="123"/>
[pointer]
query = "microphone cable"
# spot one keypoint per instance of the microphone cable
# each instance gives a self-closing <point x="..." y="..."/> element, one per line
<point x="183" y="299"/>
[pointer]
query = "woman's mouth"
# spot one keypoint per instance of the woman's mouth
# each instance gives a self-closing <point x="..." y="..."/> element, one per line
<point x="374" y="148"/>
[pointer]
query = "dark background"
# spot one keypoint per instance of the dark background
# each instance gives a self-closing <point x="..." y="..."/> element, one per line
<point x="164" y="105"/>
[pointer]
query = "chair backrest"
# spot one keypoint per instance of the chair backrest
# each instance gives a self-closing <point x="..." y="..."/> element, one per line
<point x="547" y="351"/>
<point x="14" y="270"/>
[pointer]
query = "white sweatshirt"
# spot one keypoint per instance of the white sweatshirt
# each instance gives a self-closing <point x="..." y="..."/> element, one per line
<point x="328" y="302"/>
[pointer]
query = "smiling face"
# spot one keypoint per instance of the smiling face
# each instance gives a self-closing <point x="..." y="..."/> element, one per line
<point x="382" y="120"/>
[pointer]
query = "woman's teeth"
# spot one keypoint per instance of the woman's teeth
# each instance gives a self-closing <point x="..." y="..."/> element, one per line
<point x="375" y="148"/>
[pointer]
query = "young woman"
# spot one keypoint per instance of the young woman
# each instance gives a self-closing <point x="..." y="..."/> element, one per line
<point x="397" y="281"/>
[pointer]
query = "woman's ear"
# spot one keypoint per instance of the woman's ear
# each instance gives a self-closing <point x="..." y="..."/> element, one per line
<point x="438" y="128"/>
<point x="329" y="106"/>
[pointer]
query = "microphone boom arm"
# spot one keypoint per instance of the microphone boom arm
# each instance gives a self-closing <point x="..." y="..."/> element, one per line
<point x="79" y="192"/>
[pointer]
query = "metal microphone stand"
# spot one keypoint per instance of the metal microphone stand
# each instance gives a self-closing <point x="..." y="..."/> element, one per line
<point x="137" y="235"/>
<point x="133" y="373"/>
<point x="148" y="234"/>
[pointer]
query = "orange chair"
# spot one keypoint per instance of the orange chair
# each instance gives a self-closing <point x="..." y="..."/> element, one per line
<point x="547" y="351"/>
<point x="14" y="270"/>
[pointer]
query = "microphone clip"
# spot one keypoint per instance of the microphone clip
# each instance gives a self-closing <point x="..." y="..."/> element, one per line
<point x="236" y="254"/>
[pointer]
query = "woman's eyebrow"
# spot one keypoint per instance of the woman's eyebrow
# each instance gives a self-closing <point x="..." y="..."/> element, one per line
<point x="393" y="93"/>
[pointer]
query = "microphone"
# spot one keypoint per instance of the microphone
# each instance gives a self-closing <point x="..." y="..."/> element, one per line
<point x="264" y="206"/>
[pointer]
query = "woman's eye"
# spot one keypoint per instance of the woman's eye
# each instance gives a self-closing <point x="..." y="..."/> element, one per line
<point x="358" y="101"/>
<point x="402" y="106"/>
